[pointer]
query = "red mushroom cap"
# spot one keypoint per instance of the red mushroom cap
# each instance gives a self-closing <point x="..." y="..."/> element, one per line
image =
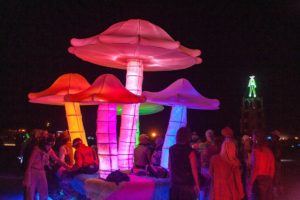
<point x="106" y="89"/>
<point x="65" y="84"/>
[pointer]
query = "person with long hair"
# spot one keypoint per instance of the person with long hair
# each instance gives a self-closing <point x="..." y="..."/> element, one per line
<point x="225" y="171"/>
<point x="183" y="168"/>
<point x="35" y="179"/>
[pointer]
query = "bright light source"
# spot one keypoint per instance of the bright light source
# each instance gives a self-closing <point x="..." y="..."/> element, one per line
<point x="153" y="134"/>
<point x="22" y="130"/>
<point x="9" y="144"/>
<point x="296" y="138"/>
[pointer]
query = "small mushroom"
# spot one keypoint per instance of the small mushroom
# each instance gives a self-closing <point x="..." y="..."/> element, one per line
<point x="180" y="95"/>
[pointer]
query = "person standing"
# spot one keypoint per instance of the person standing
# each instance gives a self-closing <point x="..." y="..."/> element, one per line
<point x="35" y="179"/>
<point x="183" y="168"/>
<point x="260" y="185"/>
<point x="211" y="148"/>
<point x="225" y="171"/>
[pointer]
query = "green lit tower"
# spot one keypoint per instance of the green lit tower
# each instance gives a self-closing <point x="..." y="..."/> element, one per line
<point x="252" y="110"/>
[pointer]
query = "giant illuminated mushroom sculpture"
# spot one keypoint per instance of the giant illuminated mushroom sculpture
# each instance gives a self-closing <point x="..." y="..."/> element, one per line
<point x="180" y="95"/>
<point x="106" y="91"/>
<point x="145" y="109"/>
<point x="135" y="45"/>
<point x="66" y="84"/>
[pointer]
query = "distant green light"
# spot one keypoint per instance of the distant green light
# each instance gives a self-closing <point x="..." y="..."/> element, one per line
<point x="252" y="87"/>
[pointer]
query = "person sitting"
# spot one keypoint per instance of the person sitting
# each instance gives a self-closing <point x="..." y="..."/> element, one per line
<point x="154" y="169"/>
<point x="86" y="159"/>
<point x="142" y="155"/>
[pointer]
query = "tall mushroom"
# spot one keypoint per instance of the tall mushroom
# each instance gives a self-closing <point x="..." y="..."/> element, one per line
<point x="66" y="84"/>
<point x="145" y="109"/>
<point x="180" y="95"/>
<point x="106" y="91"/>
<point x="135" y="45"/>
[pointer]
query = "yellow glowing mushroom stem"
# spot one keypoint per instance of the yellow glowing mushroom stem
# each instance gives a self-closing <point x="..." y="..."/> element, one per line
<point x="75" y="124"/>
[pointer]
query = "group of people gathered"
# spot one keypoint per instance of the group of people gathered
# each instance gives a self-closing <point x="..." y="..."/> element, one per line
<point x="49" y="160"/>
<point x="221" y="167"/>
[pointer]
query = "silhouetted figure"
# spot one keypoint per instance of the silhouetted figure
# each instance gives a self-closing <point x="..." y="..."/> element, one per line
<point x="142" y="155"/>
<point x="183" y="168"/>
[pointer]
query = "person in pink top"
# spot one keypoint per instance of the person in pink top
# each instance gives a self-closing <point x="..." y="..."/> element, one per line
<point x="35" y="179"/>
<point x="225" y="171"/>
<point x="263" y="168"/>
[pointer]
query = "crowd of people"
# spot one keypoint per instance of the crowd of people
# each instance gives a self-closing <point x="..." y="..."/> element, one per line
<point x="216" y="166"/>
<point x="224" y="168"/>
<point x="49" y="162"/>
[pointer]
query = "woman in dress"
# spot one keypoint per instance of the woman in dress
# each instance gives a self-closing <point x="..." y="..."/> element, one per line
<point x="226" y="174"/>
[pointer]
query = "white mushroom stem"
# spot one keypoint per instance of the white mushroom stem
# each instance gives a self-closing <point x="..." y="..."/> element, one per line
<point x="74" y="118"/>
<point x="106" y="134"/>
<point x="177" y="120"/>
<point x="130" y="115"/>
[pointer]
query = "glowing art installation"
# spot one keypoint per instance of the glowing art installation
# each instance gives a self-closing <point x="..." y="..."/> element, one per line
<point x="180" y="95"/>
<point x="106" y="91"/>
<point x="54" y="95"/>
<point x="145" y="109"/>
<point x="136" y="45"/>
<point x="252" y="86"/>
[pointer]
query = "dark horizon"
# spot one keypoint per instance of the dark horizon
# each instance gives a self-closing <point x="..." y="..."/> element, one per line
<point x="237" y="39"/>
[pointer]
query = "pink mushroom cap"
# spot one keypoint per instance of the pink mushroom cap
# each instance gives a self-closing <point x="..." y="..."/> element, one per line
<point x="182" y="93"/>
<point x="135" y="39"/>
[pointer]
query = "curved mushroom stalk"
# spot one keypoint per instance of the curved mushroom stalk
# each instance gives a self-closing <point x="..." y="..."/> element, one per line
<point x="177" y="120"/>
<point x="75" y="123"/>
<point x="130" y="115"/>
<point x="107" y="138"/>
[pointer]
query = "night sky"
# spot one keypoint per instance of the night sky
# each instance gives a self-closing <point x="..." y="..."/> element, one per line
<point x="237" y="39"/>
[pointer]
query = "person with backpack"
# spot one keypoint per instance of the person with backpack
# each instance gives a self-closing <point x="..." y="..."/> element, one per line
<point x="86" y="159"/>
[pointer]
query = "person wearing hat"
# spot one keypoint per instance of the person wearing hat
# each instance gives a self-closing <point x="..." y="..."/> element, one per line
<point x="228" y="134"/>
